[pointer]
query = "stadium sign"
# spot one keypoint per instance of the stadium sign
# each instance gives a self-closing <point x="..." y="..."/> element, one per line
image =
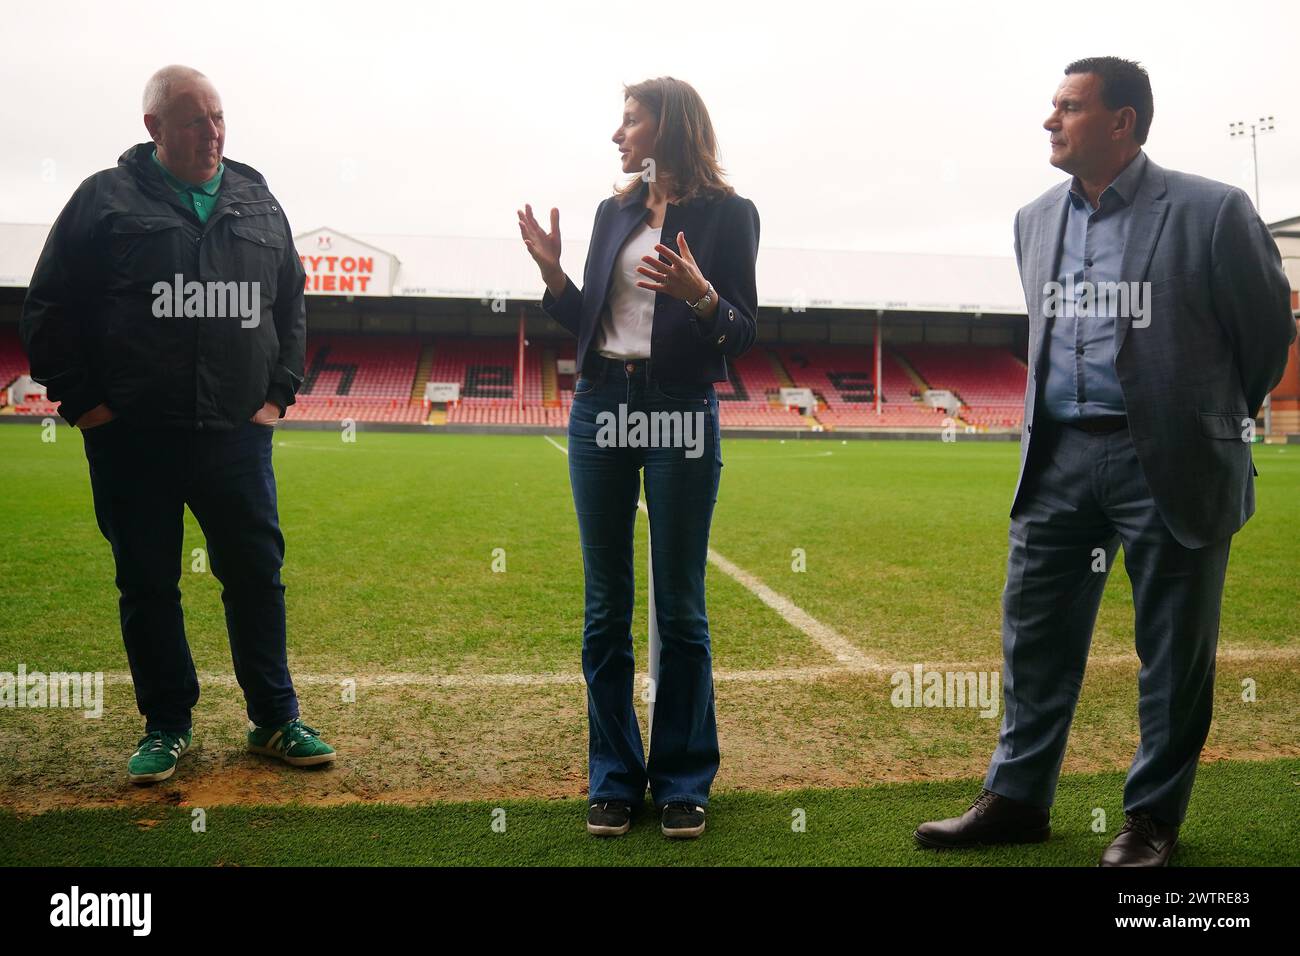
<point x="442" y="391"/>
<point x="800" y="398"/>
<point x="337" y="264"/>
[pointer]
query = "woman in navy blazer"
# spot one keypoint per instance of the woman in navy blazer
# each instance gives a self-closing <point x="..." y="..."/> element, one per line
<point x="655" y="321"/>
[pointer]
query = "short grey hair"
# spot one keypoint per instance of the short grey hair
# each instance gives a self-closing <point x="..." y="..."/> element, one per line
<point x="160" y="86"/>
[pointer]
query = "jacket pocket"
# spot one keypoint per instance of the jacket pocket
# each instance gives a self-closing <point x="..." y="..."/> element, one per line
<point x="144" y="250"/>
<point x="1224" y="425"/>
<point x="258" y="250"/>
<point x="262" y="236"/>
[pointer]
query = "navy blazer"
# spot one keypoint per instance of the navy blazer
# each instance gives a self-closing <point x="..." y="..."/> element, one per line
<point x="723" y="236"/>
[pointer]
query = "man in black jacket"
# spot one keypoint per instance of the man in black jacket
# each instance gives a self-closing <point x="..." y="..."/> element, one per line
<point x="166" y="315"/>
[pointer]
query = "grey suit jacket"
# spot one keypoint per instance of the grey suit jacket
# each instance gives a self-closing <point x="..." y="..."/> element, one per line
<point x="1212" y="345"/>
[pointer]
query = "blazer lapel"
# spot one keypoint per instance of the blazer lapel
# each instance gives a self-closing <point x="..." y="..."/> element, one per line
<point x="613" y="234"/>
<point x="1047" y="259"/>
<point x="677" y="218"/>
<point x="1149" y="211"/>
<point x="627" y="216"/>
<point x="630" y="215"/>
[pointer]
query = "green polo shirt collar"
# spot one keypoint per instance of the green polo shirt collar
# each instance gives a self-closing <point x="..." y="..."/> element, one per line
<point x="203" y="197"/>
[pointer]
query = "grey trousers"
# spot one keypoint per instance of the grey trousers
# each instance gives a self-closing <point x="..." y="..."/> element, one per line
<point x="1085" y="495"/>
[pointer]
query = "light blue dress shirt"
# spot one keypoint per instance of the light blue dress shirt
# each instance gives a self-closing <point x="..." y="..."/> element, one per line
<point x="1081" y="381"/>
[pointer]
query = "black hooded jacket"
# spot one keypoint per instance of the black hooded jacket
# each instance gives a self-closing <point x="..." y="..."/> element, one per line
<point x="98" y="326"/>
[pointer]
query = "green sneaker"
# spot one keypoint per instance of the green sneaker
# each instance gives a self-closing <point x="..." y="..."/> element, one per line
<point x="295" y="743"/>
<point x="157" y="755"/>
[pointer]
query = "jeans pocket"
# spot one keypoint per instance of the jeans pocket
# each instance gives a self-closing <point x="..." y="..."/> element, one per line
<point x="684" y="392"/>
<point x="265" y="432"/>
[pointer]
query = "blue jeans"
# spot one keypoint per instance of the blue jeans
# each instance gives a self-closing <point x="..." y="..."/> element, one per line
<point x="681" y="488"/>
<point x="142" y="478"/>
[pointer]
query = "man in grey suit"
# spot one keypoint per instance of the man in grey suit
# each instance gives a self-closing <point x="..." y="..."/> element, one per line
<point x="1159" y="320"/>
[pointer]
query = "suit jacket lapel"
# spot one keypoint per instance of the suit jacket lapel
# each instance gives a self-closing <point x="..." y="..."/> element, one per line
<point x="1149" y="211"/>
<point x="627" y="216"/>
<point x="630" y="215"/>
<point x="1047" y="259"/>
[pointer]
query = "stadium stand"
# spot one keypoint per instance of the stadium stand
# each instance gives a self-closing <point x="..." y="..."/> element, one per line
<point x="12" y="360"/>
<point x="989" y="381"/>
<point x="365" y="378"/>
<point x="751" y="398"/>
<point x="13" y="363"/>
<point x="840" y="376"/>
<point x="377" y="378"/>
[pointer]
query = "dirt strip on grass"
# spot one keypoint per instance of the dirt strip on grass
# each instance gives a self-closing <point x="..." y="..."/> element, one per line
<point x="420" y="742"/>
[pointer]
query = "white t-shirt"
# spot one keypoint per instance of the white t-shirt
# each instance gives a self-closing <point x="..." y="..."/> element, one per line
<point x="629" y="312"/>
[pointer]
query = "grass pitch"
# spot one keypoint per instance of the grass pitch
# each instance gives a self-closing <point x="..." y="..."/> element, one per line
<point x="389" y="572"/>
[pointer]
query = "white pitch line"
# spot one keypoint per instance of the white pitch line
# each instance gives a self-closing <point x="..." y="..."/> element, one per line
<point x="824" y="636"/>
<point x="839" y="648"/>
<point x="475" y="681"/>
<point x="411" y="679"/>
<point x="852" y="659"/>
<point x="747" y="676"/>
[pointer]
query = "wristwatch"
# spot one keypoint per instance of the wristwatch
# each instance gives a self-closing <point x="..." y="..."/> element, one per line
<point x="700" y="307"/>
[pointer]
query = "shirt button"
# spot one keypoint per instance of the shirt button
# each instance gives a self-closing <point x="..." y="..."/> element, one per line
<point x="731" y="315"/>
<point x="721" y="339"/>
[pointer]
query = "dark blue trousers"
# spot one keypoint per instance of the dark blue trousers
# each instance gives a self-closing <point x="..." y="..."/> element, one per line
<point x="142" y="478"/>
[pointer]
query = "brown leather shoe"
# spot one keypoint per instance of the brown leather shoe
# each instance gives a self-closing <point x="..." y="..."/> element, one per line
<point x="992" y="819"/>
<point x="1142" y="841"/>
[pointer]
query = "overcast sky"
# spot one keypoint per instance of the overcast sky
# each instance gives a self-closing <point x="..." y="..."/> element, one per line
<point x="899" y="127"/>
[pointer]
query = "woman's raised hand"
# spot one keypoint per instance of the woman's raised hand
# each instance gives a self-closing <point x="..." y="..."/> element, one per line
<point x="543" y="246"/>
